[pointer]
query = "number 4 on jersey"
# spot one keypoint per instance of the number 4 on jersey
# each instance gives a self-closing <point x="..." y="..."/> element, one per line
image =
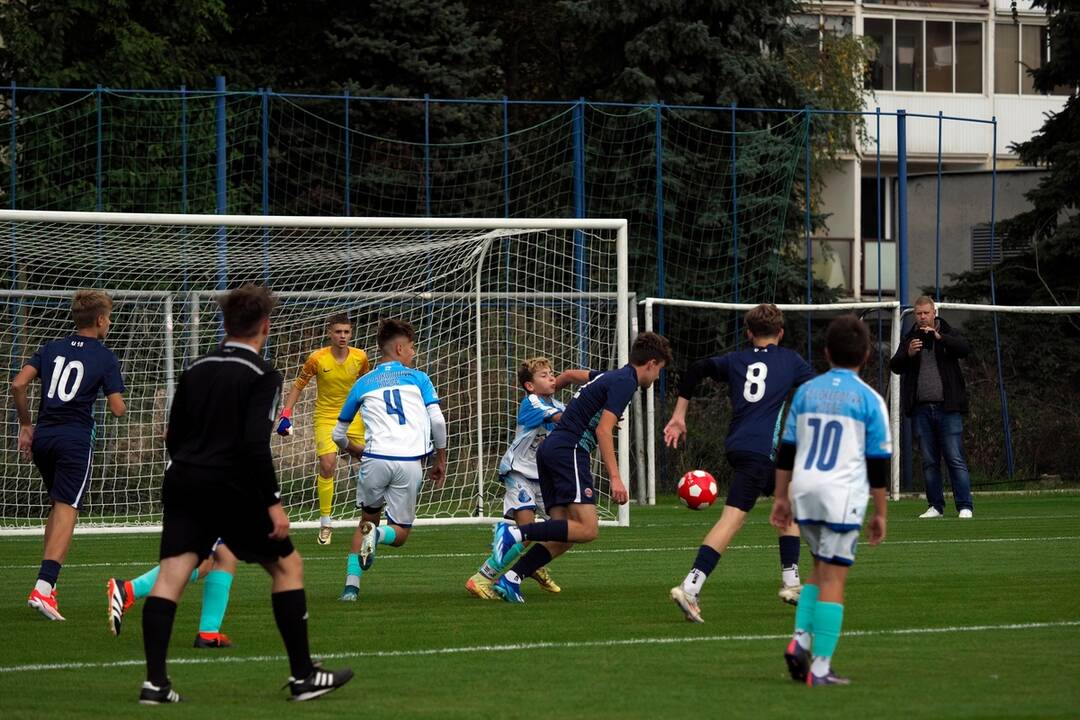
<point x="393" y="405"/>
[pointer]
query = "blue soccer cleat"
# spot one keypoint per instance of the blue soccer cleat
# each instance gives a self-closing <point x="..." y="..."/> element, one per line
<point x="351" y="593"/>
<point x="508" y="590"/>
<point x="829" y="678"/>
<point x="798" y="661"/>
<point x="502" y="542"/>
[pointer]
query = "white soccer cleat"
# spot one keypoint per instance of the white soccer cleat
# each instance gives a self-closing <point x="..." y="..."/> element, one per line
<point x="368" y="544"/>
<point x="326" y="532"/>
<point x="932" y="512"/>
<point x="687" y="603"/>
<point x="966" y="514"/>
<point x="790" y="594"/>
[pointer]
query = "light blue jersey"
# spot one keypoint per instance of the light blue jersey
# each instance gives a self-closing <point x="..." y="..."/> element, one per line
<point x="393" y="400"/>
<point x="533" y="425"/>
<point x="836" y="421"/>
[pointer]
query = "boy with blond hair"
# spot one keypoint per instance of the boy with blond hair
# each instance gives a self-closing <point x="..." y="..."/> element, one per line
<point x="537" y="415"/>
<point x="72" y="371"/>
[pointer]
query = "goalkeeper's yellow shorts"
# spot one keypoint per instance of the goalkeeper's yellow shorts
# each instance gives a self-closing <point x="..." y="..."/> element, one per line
<point x="324" y="440"/>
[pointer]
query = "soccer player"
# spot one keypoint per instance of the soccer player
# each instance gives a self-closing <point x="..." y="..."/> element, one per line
<point x="72" y="370"/>
<point x="759" y="379"/>
<point x="221" y="483"/>
<point x="537" y="415"/>
<point x="404" y="425"/>
<point x="217" y="570"/>
<point x="834" y="454"/>
<point x="335" y="369"/>
<point x="562" y="462"/>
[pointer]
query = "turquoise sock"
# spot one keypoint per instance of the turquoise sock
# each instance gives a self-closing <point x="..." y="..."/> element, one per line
<point x="804" y="611"/>
<point x="145" y="582"/>
<point x="387" y="535"/>
<point x="215" y="599"/>
<point x="352" y="570"/>
<point x="828" y="619"/>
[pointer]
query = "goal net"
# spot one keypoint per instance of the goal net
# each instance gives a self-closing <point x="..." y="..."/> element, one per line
<point x="718" y="329"/>
<point x="483" y="295"/>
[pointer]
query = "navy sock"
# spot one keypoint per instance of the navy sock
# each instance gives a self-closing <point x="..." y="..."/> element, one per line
<point x="706" y="560"/>
<point x="157" y="621"/>
<point x="789" y="551"/>
<point x="49" y="572"/>
<point x="552" y="530"/>
<point x="290" y="613"/>
<point x="537" y="557"/>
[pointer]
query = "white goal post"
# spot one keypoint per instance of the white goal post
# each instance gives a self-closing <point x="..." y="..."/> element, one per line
<point x="650" y="305"/>
<point x="484" y="294"/>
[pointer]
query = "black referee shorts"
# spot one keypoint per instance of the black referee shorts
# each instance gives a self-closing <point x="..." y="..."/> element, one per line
<point x="199" y="508"/>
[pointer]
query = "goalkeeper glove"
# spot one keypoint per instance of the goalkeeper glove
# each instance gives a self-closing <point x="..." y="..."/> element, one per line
<point x="284" y="423"/>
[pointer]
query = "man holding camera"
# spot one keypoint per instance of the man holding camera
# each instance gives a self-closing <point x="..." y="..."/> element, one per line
<point x="932" y="393"/>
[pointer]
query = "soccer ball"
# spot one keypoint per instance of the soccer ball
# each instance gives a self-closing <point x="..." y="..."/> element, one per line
<point x="697" y="489"/>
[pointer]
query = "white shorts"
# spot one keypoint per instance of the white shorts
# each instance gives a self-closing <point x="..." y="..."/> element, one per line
<point x="521" y="494"/>
<point x="831" y="546"/>
<point x="390" y="484"/>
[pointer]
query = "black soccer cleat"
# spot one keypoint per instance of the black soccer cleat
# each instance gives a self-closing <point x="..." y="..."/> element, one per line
<point x="319" y="682"/>
<point x="798" y="661"/>
<point x="153" y="695"/>
<point x="212" y="640"/>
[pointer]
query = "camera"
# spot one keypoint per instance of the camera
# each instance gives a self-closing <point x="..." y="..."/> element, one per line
<point x="926" y="334"/>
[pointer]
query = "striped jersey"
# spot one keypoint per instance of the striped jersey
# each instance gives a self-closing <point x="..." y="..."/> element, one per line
<point x="333" y="379"/>
<point x="534" y="422"/>
<point x="836" y="422"/>
<point x="392" y="400"/>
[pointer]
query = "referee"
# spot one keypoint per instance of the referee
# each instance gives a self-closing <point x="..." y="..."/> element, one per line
<point x="221" y="484"/>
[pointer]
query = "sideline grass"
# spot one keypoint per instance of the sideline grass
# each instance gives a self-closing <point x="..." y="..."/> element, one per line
<point x="611" y="645"/>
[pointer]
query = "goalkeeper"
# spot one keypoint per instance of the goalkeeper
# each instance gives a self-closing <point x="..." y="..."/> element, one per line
<point x="335" y="369"/>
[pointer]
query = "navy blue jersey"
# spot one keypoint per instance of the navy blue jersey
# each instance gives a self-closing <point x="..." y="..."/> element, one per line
<point x="759" y="380"/>
<point x="606" y="390"/>
<point x="73" y="370"/>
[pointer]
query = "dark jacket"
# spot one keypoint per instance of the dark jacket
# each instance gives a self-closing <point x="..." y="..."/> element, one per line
<point x="948" y="351"/>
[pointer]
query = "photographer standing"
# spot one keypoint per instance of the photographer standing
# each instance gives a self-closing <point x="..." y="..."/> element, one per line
<point x="932" y="393"/>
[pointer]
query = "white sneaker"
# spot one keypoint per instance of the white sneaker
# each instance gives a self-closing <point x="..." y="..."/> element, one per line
<point x="790" y="594"/>
<point x="965" y="514"/>
<point x="687" y="603"/>
<point x="932" y="512"/>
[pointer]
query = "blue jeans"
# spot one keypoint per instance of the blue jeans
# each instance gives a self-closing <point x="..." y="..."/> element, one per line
<point x="941" y="433"/>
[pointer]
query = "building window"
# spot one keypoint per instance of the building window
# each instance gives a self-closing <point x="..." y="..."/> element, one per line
<point x="813" y="30"/>
<point x="1018" y="48"/>
<point x="925" y="55"/>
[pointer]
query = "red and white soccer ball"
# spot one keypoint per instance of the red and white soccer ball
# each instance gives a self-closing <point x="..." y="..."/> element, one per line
<point x="697" y="489"/>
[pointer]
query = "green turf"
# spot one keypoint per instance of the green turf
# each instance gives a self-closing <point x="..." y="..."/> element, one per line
<point x="611" y="645"/>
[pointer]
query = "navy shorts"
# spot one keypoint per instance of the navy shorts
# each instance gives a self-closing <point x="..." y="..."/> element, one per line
<point x="564" y="475"/>
<point x="65" y="464"/>
<point x="755" y="475"/>
<point x="200" y="508"/>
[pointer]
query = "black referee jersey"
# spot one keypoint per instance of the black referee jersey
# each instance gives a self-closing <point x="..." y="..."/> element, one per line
<point x="222" y="417"/>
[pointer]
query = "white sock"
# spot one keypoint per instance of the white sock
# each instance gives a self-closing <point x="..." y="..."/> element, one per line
<point x="44" y="588"/>
<point x="693" y="582"/>
<point x="820" y="666"/>
<point x="803" y="639"/>
<point x="326" y="521"/>
<point x="512" y="576"/>
<point x="353" y="580"/>
<point x="516" y="533"/>
<point x="790" y="576"/>
<point x="487" y="571"/>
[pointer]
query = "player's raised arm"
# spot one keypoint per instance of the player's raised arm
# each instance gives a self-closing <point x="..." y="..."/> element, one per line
<point x="348" y="412"/>
<point x="571" y="377"/>
<point x="19" y="387"/>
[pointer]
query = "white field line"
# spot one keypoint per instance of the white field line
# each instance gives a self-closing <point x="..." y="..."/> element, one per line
<point x="585" y="551"/>
<point x="517" y="647"/>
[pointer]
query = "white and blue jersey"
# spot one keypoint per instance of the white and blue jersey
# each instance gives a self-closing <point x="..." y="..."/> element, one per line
<point x="836" y="422"/>
<point x="393" y="400"/>
<point x="534" y="422"/>
<point x="73" y="370"/>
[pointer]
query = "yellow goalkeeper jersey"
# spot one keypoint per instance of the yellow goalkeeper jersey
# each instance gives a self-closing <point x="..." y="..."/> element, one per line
<point x="333" y="380"/>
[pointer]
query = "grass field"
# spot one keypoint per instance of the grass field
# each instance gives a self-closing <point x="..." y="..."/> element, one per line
<point x="947" y="619"/>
